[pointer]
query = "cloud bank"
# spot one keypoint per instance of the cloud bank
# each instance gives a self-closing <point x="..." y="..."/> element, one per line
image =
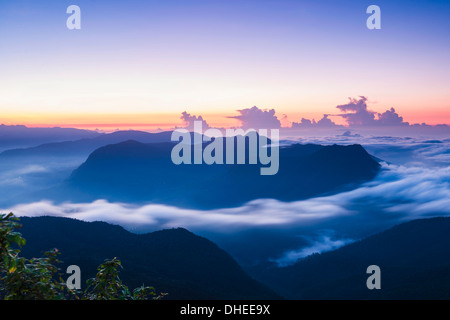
<point x="398" y="194"/>
<point x="356" y="114"/>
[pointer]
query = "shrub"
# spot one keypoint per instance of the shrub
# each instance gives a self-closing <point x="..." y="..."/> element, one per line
<point x="39" y="278"/>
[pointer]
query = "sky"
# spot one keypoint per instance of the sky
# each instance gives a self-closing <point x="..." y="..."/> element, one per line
<point x="135" y="63"/>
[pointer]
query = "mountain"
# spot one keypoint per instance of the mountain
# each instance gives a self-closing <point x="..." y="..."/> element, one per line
<point x="83" y="147"/>
<point x="414" y="259"/>
<point x="134" y="171"/>
<point x="175" y="261"/>
<point x="22" y="136"/>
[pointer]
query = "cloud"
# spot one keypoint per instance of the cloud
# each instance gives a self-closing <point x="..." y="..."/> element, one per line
<point x="15" y="177"/>
<point x="391" y="118"/>
<point x="258" y="213"/>
<point x="255" y="118"/>
<point x="304" y="123"/>
<point x="34" y="168"/>
<point x="348" y="133"/>
<point x="359" y="114"/>
<point x="355" y="105"/>
<point x="356" y="113"/>
<point x="285" y="122"/>
<point x="189" y="119"/>
<point x="318" y="244"/>
<point x="325" y="122"/>
<point x="398" y="193"/>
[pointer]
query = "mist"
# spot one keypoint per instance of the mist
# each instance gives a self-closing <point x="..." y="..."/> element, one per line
<point x="397" y="195"/>
<point x="413" y="183"/>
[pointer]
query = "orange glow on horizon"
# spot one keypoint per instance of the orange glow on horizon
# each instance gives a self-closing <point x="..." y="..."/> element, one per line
<point x="112" y="122"/>
<point x="167" y="121"/>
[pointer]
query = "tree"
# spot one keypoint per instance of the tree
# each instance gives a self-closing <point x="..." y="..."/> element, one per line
<point x="39" y="278"/>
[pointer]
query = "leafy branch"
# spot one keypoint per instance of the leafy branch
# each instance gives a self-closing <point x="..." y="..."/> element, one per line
<point x="39" y="278"/>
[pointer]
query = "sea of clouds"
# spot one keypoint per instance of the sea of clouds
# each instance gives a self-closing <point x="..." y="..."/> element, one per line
<point x="398" y="192"/>
<point x="413" y="183"/>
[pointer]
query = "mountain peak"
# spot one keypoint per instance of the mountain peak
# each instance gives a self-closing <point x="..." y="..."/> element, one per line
<point x="135" y="171"/>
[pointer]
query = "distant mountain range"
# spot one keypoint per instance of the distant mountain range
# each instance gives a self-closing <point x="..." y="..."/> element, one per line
<point x="22" y="136"/>
<point x="174" y="261"/>
<point x="414" y="259"/>
<point x="83" y="147"/>
<point x="138" y="172"/>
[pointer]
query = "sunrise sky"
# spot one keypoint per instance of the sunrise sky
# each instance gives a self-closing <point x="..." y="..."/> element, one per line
<point x="137" y="63"/>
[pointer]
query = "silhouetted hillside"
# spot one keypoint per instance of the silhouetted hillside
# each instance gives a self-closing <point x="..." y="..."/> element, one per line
<point x="133" y="171"/>
<point x="175" y="261"/>
<point x="414" y="259"/>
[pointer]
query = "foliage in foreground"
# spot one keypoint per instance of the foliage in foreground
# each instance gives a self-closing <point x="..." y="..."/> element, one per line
<point x="39" y="278"/>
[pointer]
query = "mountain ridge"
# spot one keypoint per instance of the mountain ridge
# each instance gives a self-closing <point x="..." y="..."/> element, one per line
<point x="83" y="147"/>
<point x="414" y="258"/>
<point x="175" y="261"/>
<point x="130" y="171"/>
